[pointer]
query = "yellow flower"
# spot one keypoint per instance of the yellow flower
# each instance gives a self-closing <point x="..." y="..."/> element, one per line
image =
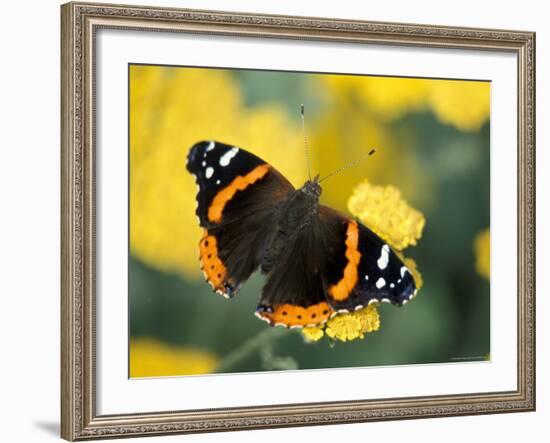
<point x="390" y="97"/>
<point x="482" y="251"/>
<point x="151" y="358"/>
<point x="346" y="326"/>
<point x="313" y="333"/>
<point x="463" y="104"/>
<point x="384" y="211"/>
<point x="172" y="108"/>
<point x="353" y="325"/>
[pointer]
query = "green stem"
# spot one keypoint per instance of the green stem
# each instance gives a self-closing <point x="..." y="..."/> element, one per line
<point x="250" y="346"/>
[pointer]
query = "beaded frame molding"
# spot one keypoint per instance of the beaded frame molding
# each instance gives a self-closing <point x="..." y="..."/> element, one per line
<point x="79" y="23"/>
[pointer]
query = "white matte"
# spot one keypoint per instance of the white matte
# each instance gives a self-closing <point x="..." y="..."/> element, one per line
<point x="117" y="394"/>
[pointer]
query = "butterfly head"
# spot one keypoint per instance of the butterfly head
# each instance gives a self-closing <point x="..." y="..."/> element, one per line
<point x="312" y="188"/>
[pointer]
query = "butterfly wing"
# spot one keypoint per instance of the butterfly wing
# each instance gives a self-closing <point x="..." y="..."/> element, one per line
<point x="293" y="294"/>
<point x="336" y="264"/>
<point x="238" y="195"/>
<point x="361" y="268"/>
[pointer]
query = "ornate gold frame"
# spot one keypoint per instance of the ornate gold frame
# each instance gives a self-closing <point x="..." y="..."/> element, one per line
<point x="79" y="21"/>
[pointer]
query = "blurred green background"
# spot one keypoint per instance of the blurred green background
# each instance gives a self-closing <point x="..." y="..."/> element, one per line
<point x="432" y="140"/>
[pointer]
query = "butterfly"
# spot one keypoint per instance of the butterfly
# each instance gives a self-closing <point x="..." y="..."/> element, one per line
<point x="317" y="261"/>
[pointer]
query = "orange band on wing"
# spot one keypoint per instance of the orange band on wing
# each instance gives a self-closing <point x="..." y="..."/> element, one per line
<point x="212" y="267"/>
<point x="293" y="315"/>
<point x="341" y="290"/>
<point x="239" y="183"/>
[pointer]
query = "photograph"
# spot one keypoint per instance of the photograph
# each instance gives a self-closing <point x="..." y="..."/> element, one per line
<point x="287" y="221"/>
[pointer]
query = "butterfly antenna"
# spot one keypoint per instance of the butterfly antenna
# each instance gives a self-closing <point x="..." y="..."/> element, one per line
<point x="348" y="165"/>
<point x="302" y="112"/>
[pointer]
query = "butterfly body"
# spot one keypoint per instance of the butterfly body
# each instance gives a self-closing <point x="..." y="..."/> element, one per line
<point x="297" y="213"/>
<point x="317" y="261"/>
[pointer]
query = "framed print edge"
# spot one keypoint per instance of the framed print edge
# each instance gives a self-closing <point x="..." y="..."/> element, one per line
<point x="79" y="21"/>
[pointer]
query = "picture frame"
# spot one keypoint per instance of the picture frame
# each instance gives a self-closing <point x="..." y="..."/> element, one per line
<point x="80" y="178"/>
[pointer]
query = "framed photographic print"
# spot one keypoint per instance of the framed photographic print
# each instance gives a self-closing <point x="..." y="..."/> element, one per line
<point x="281" y="221"/>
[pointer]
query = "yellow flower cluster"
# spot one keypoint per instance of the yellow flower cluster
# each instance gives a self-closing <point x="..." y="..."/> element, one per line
<point x="347" y="326"/>
<point x="152" y="358"/>
<point x="463" y="104"/>
<point x="384" y="211"/>
<point x="482" y="252"/>
<point x="171" y="109"/>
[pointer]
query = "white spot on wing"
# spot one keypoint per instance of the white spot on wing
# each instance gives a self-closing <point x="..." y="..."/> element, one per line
<point x="209" y="172"/>
<point x="218" y="182"/>
<point x="392" y="285"/>
<point x="403" y="270"/>
<point x="203" y="164"/>
<point x="225" y="159"/>
<point x="210" y="146"/>
<point x="366" y="277"/>
<point x="380" y="283"/>
<point x="384" y="257"/>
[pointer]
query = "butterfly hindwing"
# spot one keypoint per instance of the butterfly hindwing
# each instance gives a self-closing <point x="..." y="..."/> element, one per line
<point x="237" y="196"/>
<point x="293" y="294"/>
<point x="362" y="268"/>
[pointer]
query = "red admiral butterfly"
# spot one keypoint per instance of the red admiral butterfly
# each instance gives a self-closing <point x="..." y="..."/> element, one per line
<point x="318" y="261"/>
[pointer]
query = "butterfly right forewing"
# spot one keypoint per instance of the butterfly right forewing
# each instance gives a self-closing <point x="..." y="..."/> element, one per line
<point x="238" y="196"/>
<point x="361" y="268"/>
